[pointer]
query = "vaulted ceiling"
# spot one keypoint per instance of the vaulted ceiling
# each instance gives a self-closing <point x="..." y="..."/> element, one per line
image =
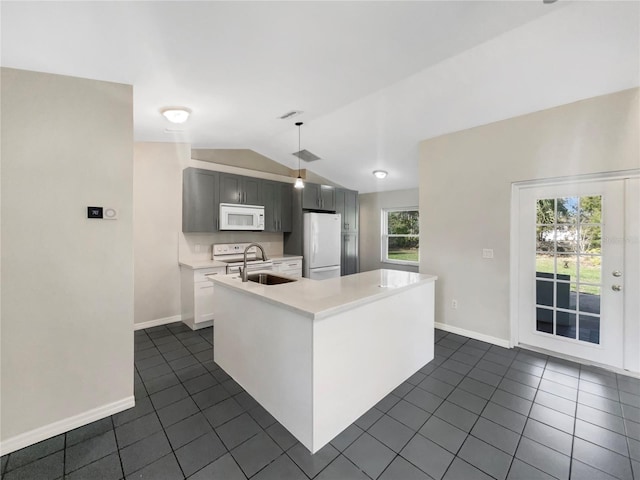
<point x="373" y="78"/>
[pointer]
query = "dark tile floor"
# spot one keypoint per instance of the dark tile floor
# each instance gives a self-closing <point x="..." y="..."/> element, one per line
<point x="475" y="412"/>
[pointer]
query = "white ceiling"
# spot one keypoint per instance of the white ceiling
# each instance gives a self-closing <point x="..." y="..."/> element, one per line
<point x="373" y="78"/>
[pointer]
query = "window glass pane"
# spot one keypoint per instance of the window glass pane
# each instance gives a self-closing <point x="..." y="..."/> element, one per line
<point x="591" y="209"/>
<point x="403" y="248"/>
<point x="544" y="320"/>
<point x="589" y="328"/>
<point x="589" y="269"/>
<point x="567" y="210"/>
<point x="545" y="236"/>
<point x="589" y="299"/>
<point x="403" y="222"/>
<point x="566" y="324"/>
<point x="545" y="211"/>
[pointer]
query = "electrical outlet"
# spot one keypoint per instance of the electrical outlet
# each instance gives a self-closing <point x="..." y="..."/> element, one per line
<point x="487" y="253"/>
<point x="454" y="304"/>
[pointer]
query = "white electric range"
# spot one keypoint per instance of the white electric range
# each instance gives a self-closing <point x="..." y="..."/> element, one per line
<point x="233" y="255"/>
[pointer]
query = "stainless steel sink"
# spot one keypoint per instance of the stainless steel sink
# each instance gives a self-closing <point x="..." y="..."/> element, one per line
<point x="268" y="279"/>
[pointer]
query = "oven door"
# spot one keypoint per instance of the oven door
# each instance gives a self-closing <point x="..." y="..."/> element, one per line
<point x="252" y="267"/>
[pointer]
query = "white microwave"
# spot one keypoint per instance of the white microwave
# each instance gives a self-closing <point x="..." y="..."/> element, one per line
<point x="241" y="217"/>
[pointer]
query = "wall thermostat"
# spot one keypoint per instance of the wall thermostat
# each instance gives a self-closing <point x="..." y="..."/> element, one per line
<point x="94" y="212"/>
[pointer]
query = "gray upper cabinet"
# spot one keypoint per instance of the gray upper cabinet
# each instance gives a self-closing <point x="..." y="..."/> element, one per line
<point x="239" y="189"/>
<point x="199" y="202"/>
<point x="319" y="197"/>
<point x="276" y="197"/>
<point x="347" y="206"/>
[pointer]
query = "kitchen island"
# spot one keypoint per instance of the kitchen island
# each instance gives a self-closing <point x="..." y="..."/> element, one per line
<point x="318" y="354"/>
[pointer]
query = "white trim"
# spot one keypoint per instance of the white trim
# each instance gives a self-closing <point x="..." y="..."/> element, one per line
<point x="500" y="342"/>
<point x="61" y="426"/>
<point x="615" y="175"/>
<point x="581" y="361"/>
<point x="384" y="237"/>
<point x="157" y="322"/>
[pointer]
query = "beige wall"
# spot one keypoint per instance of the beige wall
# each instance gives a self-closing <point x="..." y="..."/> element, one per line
<point x="370" y="227"/>
<point x="67" y="281"/>
<point x="465" y="188"/>
<point x="157" y="202"/>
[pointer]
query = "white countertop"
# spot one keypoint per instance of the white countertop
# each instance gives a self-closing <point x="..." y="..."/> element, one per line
<point x="321" y="298"/>
<point x="198" y="264"/>
<point x="286" y="257"/>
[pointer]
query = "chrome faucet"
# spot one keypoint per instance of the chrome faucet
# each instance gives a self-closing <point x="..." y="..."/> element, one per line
<point x="243" y="269"/>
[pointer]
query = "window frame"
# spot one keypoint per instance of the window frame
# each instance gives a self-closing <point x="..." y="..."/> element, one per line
<point x="384" y="237"/>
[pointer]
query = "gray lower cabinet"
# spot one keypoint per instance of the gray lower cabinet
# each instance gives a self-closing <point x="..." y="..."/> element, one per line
<point x="199" y="202"/>
<point x="349" y="256"/>
<point x="240" y="189"/>
<point x="318" y="197"/>
<point x="276" y="197"/>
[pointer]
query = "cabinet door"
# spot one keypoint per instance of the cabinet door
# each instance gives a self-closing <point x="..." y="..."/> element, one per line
<point x="199" y="205"/>
<point x="251" y="191"/>
<point x="327" y="198"/>
<point x="286" y="207"/>
<point x="349" y="263"/>
<point x="230" y="188"/>
<point x="311" y="196"/>
<point x="340" y="193"/>
<point x="350" y="217"/>
<point x="269" y="199"/>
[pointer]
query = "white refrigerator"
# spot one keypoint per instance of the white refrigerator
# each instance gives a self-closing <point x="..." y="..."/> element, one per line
<point x="321" y="245"/>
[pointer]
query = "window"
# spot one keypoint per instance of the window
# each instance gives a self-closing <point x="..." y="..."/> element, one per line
<point x="400" y="236"/>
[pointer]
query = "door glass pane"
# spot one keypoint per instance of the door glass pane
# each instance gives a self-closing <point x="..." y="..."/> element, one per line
<point x="544" y="292"/>
<point x="589" y="269"/>
<point x="567" y="267"/>
<point x="591" y="209"/>
<point x="544" y="320"/>
<point x="568" y="258"/>
<point x="566" y="239"/>
<point x="544" y="266"/>
<point x="545" y="236"/>
<point x="564" y="296"/>
<point x="566" y="324"/>
<point x="545" y="211"/>
<point x="590" y="239"/>
<point x="589" y="328"/>
<point x="589" y="299"/>
<point x="567" y="210"/>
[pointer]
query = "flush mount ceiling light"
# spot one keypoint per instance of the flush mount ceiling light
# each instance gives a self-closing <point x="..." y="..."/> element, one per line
<point x="176" y="114"/>
<point x="299" y="183"/>
<point x="380" y="173"/>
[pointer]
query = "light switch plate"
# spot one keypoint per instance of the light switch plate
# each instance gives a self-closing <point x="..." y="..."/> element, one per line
<point x="487" y="253"/>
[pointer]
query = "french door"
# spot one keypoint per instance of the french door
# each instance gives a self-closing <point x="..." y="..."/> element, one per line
<point x="577" y="270"/>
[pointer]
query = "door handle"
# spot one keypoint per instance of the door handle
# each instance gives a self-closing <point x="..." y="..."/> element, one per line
<point x="616" y="273"/>
<point x="616" y="288"/>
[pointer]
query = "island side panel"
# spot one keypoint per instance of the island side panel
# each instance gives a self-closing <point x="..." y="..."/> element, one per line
<point x="267" y="350"/>
<point x="363" y="354"/>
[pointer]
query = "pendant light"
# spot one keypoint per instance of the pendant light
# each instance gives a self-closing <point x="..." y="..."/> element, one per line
<point x="299" y="183"/>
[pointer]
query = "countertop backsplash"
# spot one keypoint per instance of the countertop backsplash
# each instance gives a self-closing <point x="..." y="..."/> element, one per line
<point x="197" y="246"/>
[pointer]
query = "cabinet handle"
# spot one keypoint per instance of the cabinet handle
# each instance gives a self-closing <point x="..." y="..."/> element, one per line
<point x="293" y="264"/>
<point x="239" y="197"/>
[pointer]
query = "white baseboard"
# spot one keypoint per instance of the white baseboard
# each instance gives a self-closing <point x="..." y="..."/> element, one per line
<point x="61" y="426"/>
<point x="471" y="334"/>
<point x="157" y="322"/>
